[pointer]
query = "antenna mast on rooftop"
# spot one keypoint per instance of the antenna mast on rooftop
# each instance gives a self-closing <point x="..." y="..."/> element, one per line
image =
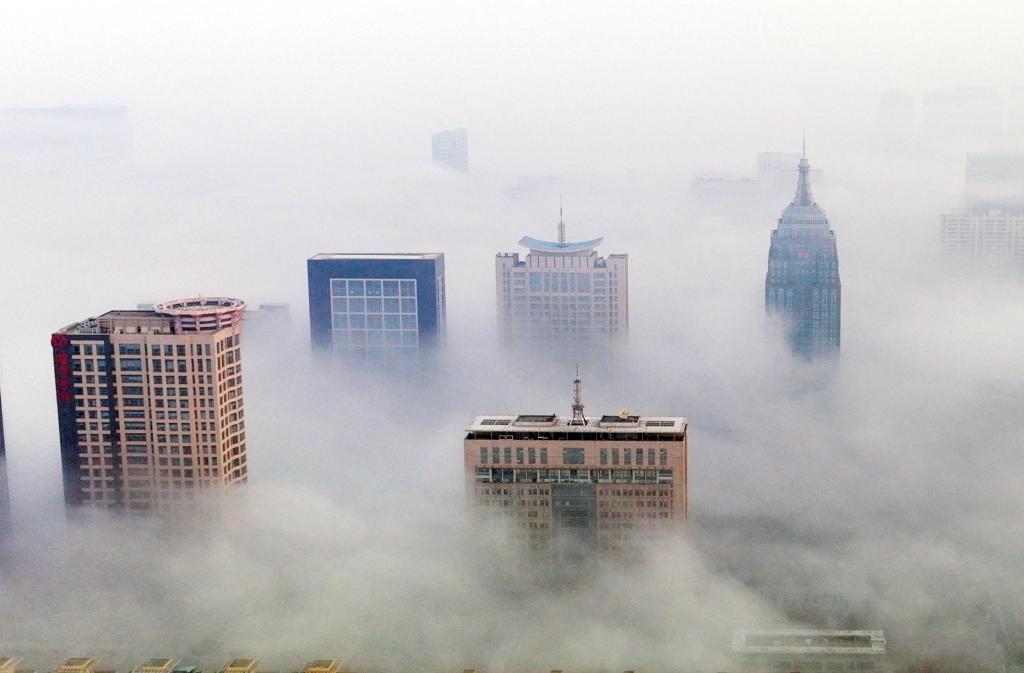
<point x="561" y="223"/>
<point x="577" y="400"/>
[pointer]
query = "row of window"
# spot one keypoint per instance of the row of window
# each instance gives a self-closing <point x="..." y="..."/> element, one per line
<point x="570" y="456"/>
<point x="511" y="475"/>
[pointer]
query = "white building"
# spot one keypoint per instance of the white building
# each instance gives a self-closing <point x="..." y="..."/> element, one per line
<point x="809" y="651"/>
<point x="992" y="241"/>
<point x="562" y="292"/>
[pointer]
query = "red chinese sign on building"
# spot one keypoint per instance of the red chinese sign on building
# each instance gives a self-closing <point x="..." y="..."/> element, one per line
<point x="62" y="367"/>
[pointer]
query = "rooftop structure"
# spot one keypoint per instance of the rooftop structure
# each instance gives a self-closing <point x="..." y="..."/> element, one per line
<point x="78" y="665"/>
<point x="563" y="292"/>
<point x="597" y="480"/>
<point x="378" y="256"/>
<point x="158" y="665"/>
<point x="835" y="651"/>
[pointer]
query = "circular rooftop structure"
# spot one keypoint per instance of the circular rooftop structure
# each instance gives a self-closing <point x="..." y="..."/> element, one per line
<point x="202" y="314"/>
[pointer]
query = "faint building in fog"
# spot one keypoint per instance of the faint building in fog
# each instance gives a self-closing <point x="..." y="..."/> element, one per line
<point x="988" y="235"/>
<point x="724" y="191"/>
<point x="65" y="133"/>
<point x="268" y="319"/>
<point x="377" y="307"/>
<point x="963" y="113"/>
<point x="562" y="293"/>
<point x="5" y="501"/>
<point x="150" y="405"/>
<point x="451" y="149"/>
<point x="802" y="285"/>
<point x="988" y="242"/>
<point x="994" y="181"/>
<point x="597" y="480"/>
<point x="1015" y="114"/>
<point x="810" y="650"/>
<point x="897" y="120"/>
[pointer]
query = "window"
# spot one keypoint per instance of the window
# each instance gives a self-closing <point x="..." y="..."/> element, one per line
<point x="604" y="456"/>
<point x="131" y="364"/>
<point x="663" y="456"/>
<point x="573" y="456"/>
<point x="495" y="457"/>
<point x="543" y="455"/>
<point x="615" y="456"/>
<point x="483" y="454"/>
<point x="508" y="454"/>
<point x="533" y="455"/>
<point x="519" y="455"/>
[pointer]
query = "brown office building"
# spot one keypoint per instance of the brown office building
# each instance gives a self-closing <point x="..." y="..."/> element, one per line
<point x="599" y="479"/>
<point x="150" y="405"/>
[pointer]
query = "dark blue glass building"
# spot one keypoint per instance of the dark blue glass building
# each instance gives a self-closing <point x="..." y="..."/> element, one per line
<point x="802" y="285"/>
<point x="376" y="307"/>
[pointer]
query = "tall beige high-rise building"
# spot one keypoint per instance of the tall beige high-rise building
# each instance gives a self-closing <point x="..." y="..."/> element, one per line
<point x="599" y="480"/>
<point x="562" y="292"/>
<point x="150" y="405"/>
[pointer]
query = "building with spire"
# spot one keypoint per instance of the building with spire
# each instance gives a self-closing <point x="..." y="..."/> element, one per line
<point x="802" y="285"/>
<point x="562" y="292"/>
<point x="597" y="480"/>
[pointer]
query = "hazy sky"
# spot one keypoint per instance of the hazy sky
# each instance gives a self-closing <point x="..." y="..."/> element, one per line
<point x="264" y="134"/>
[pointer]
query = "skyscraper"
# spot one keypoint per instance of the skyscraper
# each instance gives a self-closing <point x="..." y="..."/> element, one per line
<point x="562" y="292"/>
<point x="451" y="149"/>
<point x="597" y="480"/>
<point x="802" y="285"/>
<point x="150" y="405"/>
<point x="377" y="307"/>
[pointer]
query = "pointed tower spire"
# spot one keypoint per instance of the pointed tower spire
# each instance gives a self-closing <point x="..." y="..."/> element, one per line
<point x="803" y="185"/>
<point x="577" y="400"/>
<point x="561" y="223"/>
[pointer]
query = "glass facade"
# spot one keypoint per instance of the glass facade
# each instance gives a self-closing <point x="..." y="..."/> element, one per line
<point x="374" y="318"/>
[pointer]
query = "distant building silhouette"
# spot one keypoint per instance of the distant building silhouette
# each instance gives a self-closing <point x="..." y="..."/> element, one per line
<point x="451" y="149"/>
<point x="68" y="132"/>
<point x="988" y="235"/>
<point x="897" y="120"/>
<point x="802" y="285"/>
<point x="562" y="293"/>
<point x="835" y="651"/>
<point x="5" y="503"/>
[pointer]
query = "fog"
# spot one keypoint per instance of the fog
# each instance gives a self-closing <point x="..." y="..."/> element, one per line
<point x="261" y="135"/>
